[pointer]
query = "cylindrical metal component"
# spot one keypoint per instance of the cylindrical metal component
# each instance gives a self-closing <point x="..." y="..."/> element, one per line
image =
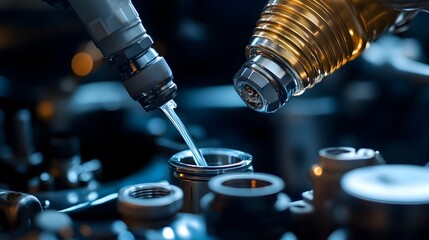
<point x="245" y="206"/>
<point x="327" y="196"/>
<point x="18" y="210"/>
<point x="387" y="202"/>
<point x="297" y="43"/>
<point x="26" y="155"/>
<point x="64" y="153"/>
<point x="149" y="205"/>
<point x="5" y="149"/>
<point x="117" y="30"/>
<point x="193" y="179"/>
<point x="151" y="211"/>
<point x="303" y="222"/>
<point x="333" y="163"/>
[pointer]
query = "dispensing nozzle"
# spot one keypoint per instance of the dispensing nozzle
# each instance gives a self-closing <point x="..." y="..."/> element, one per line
<point x="263" y="85"/>
<point x="117" y="30"/>
<point x="296" y="44"/>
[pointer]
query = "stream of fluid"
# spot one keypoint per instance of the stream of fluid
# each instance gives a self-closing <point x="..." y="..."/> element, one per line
<point x="168" y="109"/>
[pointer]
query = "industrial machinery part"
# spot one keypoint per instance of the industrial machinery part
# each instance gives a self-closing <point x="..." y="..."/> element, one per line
<point x="333" y="163"/>
<point x="151" y="211"/>
<point x="25" y="155"/>
<point x="117" y="30"/>
<point x="17" y="210"/>
<point x="18" y="156"/>
<point x="143" y="203"/>
<point x="321" y="208"/>
<point x="387" y="202"/>
<point x="297" y="43"/>
<point x="245" y="206"/>
<point x="193" y="179"/>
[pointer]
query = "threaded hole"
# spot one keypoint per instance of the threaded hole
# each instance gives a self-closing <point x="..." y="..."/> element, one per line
<point x="150" y="192"/>
<point x="246" y="183"/>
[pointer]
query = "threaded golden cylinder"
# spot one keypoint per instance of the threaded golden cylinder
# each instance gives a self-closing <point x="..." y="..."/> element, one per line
<point x="313" y="38"/>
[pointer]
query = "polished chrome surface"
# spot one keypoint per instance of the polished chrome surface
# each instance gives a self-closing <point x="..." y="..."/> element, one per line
<point x="193" y="179"/>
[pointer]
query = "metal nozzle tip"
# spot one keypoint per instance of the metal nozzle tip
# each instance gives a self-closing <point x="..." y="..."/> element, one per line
<point x="257" y="91"/>
<point x="260" y="90"/>
<point x="263" y="85"/>
<point x="251" y="96"/>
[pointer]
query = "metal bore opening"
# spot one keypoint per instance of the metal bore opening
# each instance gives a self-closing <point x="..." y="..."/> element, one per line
<point x="246" y="183"/>
<point x="214" y="160"/>
<point x="150" y="192"/>
<point x="251" y="96"/>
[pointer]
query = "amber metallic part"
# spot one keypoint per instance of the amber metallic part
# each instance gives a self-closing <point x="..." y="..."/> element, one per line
<point x="316" y="37"/>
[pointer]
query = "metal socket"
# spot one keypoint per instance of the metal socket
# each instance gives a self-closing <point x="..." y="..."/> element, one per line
<point x="193" y="179"/>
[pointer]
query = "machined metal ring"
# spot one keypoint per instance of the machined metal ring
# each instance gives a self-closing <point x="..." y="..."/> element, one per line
<point x="150" y="201"/>
<point x="246" y="184"/>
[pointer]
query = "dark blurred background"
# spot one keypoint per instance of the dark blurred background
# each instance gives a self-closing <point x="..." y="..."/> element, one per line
<point x="378" y="101"/>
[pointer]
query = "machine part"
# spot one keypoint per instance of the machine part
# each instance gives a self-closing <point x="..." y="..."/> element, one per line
<point x="21" y="157"/>
<point x="387" y="202"/>
<point x="325" y="176"/>
<point x="344" y="159"/>
<point x="17" y="210"/>
<point x="333" y="163"/>
<point x="149" y="204"/>
<point x="5" y="149"/>
<point x="64" y="160"/>
<point x="297" y="43"/>
<point x="193" y="179"/>
<point x="302" y="221"/>
<point x="66" y="166"/>
<point x="151" y="211"/>
<point x="83" y="200"/>
<point x="117" y="30"/>
<point x="245" y="206"/>
<point x="25" y="154"/>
